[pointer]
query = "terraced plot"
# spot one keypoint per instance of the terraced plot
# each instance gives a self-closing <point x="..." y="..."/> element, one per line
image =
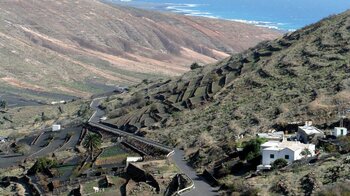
<point x="113" y="155"/>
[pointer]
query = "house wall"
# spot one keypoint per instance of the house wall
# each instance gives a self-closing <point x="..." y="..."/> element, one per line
<point x="297" y="155"/>
<point x="278" y="154"/>
<point x="338" y="131"/>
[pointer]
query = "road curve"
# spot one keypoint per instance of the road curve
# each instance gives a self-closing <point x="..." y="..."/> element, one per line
<point x="201" y="187"/>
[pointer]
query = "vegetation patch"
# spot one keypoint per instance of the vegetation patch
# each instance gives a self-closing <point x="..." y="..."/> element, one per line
<point x="112" y="155"/>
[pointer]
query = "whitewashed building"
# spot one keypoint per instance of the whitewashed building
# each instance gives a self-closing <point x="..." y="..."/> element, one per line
<point x="339" y="131"/>
<point x="288" y="150"/>
<point x="56" y="127"/>
<point x="307" y="132"/>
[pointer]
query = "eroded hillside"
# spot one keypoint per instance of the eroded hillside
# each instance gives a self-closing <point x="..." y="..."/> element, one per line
<point x="79" y="47"/>
<point x="303" y="75"/>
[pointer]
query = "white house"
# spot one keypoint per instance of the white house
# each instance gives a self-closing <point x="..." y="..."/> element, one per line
<point x="56" y="127"/>
<point x="307" y="132"/>
<point x="339" y="131"/>
<point x="288" y="150"/>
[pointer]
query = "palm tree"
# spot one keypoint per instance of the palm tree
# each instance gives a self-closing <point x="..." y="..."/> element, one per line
<point x="92" y="142"/>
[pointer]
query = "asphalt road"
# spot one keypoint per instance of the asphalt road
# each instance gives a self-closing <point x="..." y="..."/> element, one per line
<point x="201" y="187"/>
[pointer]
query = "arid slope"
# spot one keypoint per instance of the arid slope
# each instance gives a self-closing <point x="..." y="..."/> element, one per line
<point x="303" y="75"/>
<point x="77" y="47"/>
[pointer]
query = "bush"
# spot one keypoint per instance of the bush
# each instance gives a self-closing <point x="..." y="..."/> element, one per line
<point x="195" y="66"/>
<point x="42" y="164"/>
<point x="22" y="149"/>
<point x="345" y="144"/>
<point x="83" y="110"/>
<point x="335" y="189"/>
<point x="251" y="149"/>
<point x="330" y="148"/>
<point x="279" y="163"/>
<point x="3" y="104"/>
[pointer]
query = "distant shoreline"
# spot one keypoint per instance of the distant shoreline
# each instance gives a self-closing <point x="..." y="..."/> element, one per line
<point x="283" y="16"/>
<point x="190" y="10"/>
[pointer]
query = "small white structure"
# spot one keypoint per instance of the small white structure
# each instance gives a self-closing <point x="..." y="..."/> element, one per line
<point x="339" y="131"/>
<point x="274" y="136"/>
<point x="103" y="118"/>
<point x="307" y="132"/>
<point x="288" y="150"/>
<point x="3" y="139"/>
<point x="58" y="102"/>
<point x="56" y="127"/>
<point x="133" y="160"/>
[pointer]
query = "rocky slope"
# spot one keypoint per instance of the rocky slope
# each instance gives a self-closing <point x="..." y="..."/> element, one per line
<point x="79" y="47"/>
<point x="303" y="75"/>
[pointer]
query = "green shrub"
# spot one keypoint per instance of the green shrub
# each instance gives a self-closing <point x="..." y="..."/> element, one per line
<point x="345" y="144"/>
<point x="251" y="149"/>
<point x="306" y="152"/>
<point x="22" y="149"/>
<point x="279" y="163"/>
<point x="335" y="189"/>
<point x="83" y="110"/>
<point x="3" y="104"/>
<point x="42" y="164"/>
<point x="330" y="148"/>
<point x="195" y="66"/>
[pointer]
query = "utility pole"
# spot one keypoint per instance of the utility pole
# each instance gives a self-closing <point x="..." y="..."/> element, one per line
<point x="342" y="112"/>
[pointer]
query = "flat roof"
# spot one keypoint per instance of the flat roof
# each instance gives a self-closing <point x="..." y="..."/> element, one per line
<point x="310" y="129"/>
<point x="293" y="145"/>
<point x="340" y="128"/>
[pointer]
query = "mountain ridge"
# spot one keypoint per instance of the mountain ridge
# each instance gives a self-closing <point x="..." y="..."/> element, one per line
<point x="84" y="47"/>
<point x="303" y="75"/>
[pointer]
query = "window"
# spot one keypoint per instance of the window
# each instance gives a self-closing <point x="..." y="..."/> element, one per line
<point x="272" y="156"/>
<point x="341" y="132"/>
<point x="286" y="156"/>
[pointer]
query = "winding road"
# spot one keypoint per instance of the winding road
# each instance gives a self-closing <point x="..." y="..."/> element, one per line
<point x="201" y="187"/>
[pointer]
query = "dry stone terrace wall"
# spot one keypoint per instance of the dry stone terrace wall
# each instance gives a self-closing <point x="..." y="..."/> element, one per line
<point x="175" y="96"/>
<point x="156" y="103"/>
<point x="146" y="149"/>
<point x="270" y="73"/>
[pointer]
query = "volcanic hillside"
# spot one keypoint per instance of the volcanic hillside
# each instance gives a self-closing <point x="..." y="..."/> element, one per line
<point x="303" y="75"/>
<point x="77" y="47"/>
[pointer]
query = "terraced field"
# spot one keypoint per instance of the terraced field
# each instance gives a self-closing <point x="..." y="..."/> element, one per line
<point x="302" y="75"/>
<point x="113" y="155"/>
<point x="161" y="99"/>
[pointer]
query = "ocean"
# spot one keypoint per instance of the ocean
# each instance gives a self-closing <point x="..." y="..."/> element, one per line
<point x="286" y="15"/>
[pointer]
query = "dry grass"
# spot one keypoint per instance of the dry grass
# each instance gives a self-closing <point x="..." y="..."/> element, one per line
<point x="25" y="120"/>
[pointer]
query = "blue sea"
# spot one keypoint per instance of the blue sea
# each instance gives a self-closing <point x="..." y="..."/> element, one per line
<point x="286" y="15"/>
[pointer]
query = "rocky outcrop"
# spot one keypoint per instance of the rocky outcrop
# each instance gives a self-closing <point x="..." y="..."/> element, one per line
<point x="309" y="184"/>
<point x="139" y="175"/>
<point x="178" y="183"/>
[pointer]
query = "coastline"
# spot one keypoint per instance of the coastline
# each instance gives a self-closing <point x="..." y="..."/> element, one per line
<point x="288" y="19"/>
